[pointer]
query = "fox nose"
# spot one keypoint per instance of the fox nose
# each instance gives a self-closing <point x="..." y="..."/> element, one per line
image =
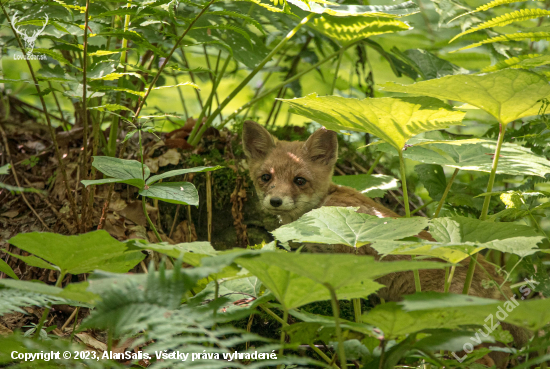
<point x="276" y="202"/>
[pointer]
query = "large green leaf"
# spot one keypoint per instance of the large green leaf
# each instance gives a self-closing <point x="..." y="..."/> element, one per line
<point x="293" y="290"/>
<point x="80" y="254"/>
<point x="371" y="185"/>
<point x="426" y="64"/>
<point x="183" y="193"/>
<point x="507" y="95"/>
<point x="506" y="237"/>
<point x="336" y="270"/>
<point x="476" y="155"/>
<point x="123" y="171"/>
<point x="74" y="291"/>
<point x="394" y="120"/>
<point x="337" y="225"/>
<point x="451" y="252"/>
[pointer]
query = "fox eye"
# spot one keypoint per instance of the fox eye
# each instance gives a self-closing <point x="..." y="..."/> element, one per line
<point x="265" y="177"/>
<point x="300" y="181"/>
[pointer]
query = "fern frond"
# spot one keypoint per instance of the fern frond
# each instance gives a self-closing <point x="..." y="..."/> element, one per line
<point x="503" y="20"/>
<point x="267" y="6"/>
<point x="490" y="5"/>
<point x="509" y="62"/>
<point x="242" y="16"/>
<point x="11" y="300"/>
<point x="520" y="36"/>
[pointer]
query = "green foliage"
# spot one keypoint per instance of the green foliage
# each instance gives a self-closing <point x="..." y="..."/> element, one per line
<point x="371" y="185"/>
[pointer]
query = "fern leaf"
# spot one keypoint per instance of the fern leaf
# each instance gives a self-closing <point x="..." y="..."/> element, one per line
<point x="503" y="20"/>
<point x="520" y="36"/>
<point x="267" y="6"/>
<point x="490" y="5"/>
<point x="11" y="300"/>
<point x="242" y="16"/>
<point x="509" y="62"/>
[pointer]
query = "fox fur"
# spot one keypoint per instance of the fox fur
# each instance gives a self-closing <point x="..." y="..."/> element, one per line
<point x="292" y="178"/>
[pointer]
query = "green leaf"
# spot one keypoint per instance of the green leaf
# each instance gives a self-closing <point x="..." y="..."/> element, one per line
<point x="491" y="5"/>
<point x="450" y="252"/>
<point x="519" y="36"/>
<point x="503" y="20"/>
<point x="433" y="178"/>
<point x="179" y="85"/>
<point x="296" y="278"/>
<point x="74" y="291"/>
<point x="507" y="95"/>
<point x="122" y="169"/>
<point x="137" y="182"/>
<point x="337" y="225"/>
<point x="371" y="185"/>
<point x="350" y="29"/>
<point x="183" y="193"/>
<point x="191" y="252"/>
<point x="341" y="10"/>
<point x="179" y="172"/>
<point x="79" y="254"/>
<point x="5" y="169"/>
<point x="426" y="64"/>
<point x="4" y="267"/>
<point x="506" y="237"/>
<point x="394" y="120"/>
<point x="34" y="261"/>
<point x="477" y="155"/>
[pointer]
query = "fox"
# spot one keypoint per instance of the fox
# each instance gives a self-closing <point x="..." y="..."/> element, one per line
<point x="293" y="178"/>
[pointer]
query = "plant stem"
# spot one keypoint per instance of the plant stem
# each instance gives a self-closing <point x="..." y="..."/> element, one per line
<point x="445" y="193"/>
<point x="161" y="68"/>
<point x="449" y="279"/>
<point x="313" y="347"/>
<point x="50" y="127"/>
<point x="421" y="207"/>
<point x="196" y="136"/>
<point x="404" y="184"/>
<point x="84" y="164"/>
<point x="149" y="219"/>
<point x="276" y="88"/>
<point x="282" y="341"/>
<point x="485" y="210"/>
<point x="47" y="310"/>
<point x="357" y="309"/>
<point x="340" y="57"/>
<point x="375" y="163"/>
<point x="338" y="329"/>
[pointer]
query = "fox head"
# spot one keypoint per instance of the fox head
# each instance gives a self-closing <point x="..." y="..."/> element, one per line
<point x="291" y="178"/>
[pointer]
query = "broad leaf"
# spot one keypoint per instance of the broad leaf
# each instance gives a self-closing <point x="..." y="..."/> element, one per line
<point x="506" y="237"/>
<point x="179" y="172"/>
<point x="183" y="193"/>
<point x="5" y="268"/>
<point x="123" y="171"/>
<point x="433" y="179"/>
<point x="507" y="95"/>
<point x="79" y="254"/>
<point x="476" y="155"/>
<point x="190" y="252"/>
<point x="451" y="252"/>
<point x="4" y="169"/>
<point x="337" y="225"/>
<point x="373" y="185"/>
<point x="394" y="120"/>
<point x="336" y="270"/>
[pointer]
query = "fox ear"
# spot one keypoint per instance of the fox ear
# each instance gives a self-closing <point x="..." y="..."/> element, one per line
<point x="322" y="146"/>
<point x="257" y="141"/>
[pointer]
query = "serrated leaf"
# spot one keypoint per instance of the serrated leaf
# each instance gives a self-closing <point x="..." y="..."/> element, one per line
<point x="531" y="60"/>
<point x="337" y="225"/>
<point x="183" y="193"/>
<point x="451" y="252"/>
<point x="5" y="169"/>
<point x="394" y="120"/>
<point x="110" y="107"/>
<point x="179" y="172"/>
<point x="341" y="10"/>
<point x="477" y="155"/>
<point x="120" y="89"/>
<point x="178" y="85"/>
<point x="506" y="237"/>
<point x="507" y="95"/>
<point x="79" y="254"/>
<point x="503" y="20"/>
<point x="371" y="185"/>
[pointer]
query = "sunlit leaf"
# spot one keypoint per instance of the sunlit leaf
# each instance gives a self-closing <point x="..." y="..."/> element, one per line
<point x="371" y="185"/>
<point x="183" y="193"/>
<point x="507" y="95"/>
<point x="394" y="120"/>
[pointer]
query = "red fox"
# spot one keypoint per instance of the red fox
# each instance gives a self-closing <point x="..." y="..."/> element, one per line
<point x="292" y="178"/>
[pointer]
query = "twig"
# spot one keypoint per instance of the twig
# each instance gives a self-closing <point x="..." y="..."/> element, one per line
<point x="174" y="221"/>
<point x="69" y="320"/>
<point x="27" y="105"/>
<point x="5" y="139"/>
<point x="52" y="131"/>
